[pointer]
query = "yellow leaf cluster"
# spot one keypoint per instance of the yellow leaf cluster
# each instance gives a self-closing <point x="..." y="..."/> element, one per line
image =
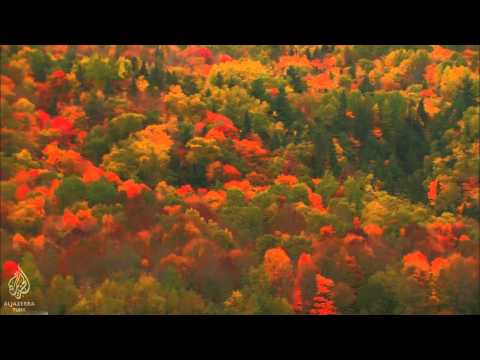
<point x="242" y="71"/>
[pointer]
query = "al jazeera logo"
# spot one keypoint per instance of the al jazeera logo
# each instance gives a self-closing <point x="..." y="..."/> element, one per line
<point x="18" y="287"/>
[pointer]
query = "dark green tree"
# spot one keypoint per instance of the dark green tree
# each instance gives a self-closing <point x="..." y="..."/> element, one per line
<point x="218" y="80"/>
<point x="70" y="190"/>
<point x="101" y="192"/>
<point x="320" y="139"/>
<point x="281" y="106"/>
<point x="295" y="79"/>
<point x="133" y="89"/>
<point x="247" y="126"/>
<point x="40" y="63"/>
<point x="257" y="90"/>
<point x="366" y="86"/>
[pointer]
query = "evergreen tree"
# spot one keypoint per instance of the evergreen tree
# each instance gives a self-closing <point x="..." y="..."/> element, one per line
<point x="392" y="174"/>
<point x="365" y="86"/>
<point x="309" y="54"/>
<point x="282" y="107"/>
<point x="134" y="62"/>
<point x="353" y="71"/>
<point x="422" y="116"/>
<point x="108" y="88"/>
<point x="185" y="132"/>
<point x="218" y="80"/>
<point x="411" y="146"/>
<point x="118" y="51"/>
<point x="464" y="97"/>
<point x="171" y="79"/>
<point x="320" y="139"/>
<point x="189" y="86"/>
<point x="159" y="58"/>
<point x="40" y="63"/>
<point x="296" y="80"/>
<point x="133" y="89"/>
<point x="80" y="75"/>
<point x="363" y="121"/>
<point x="69" y="58"/>
<point x="247" y="126"/>
<point x="257" y="90"/>
<point x="275" y="52"/>
<point x="333" y="159"/>
<point x="144" y="70"/>
<point x="157" y="77"/>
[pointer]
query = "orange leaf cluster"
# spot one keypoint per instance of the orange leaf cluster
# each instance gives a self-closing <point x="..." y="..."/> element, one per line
<point x="273" y="91"/>
<point x="70" y="220"/>
<point x="19" y="242"/>
<point x="427" y="93"/>
<point x="306" y="269"/>
<point x="373" y="230"/>
<point x="63" y="125"/>
<point x="430" y="108"/>
<point x="144" y="236"/>
<point x="277" y="264"/>
<point x="416" y="260"/>
<point x="286" y="61"/>
<point x="440" y="53"/>
<point x="131" y="188"/>
<point x="320" y="82"/>
<point x="231" y="172"/>
<point x="325" y="63"/>
<point x="243" y="185"/>
<point x="22" y="192"/>
<point x="92" y="173"/>
<point x="250" y="148"/>
<point x="323" y="305"/>
<point x="181" y="263"/>
<point x="327" y="230"/>
<point x="377" y="132"/>
<point x="221" y="127"/>
<point x="216" y="134"/>
<point x="289" y="180"/>
<point x="38" y="242"/>
<point x="194" y="51"/>
<point x="56" y="156"/>
<point x="172" y="209"/>
<point x="83" y="220"/>
<point x="351" y="238"/>
<point x="7" y="86"/>
<point x="316" y="201"/>
<point x="25" y="176"/>
<point x="184" y="190"/>
<point x="213" y="170"/>
<point x="224" y="58"/>
<point x="441" y="237"/>
<point x="431" y="74"/>
<point x="356" y="223"/>
<point x="438" y="265"/>
<point x="432" y="191"/>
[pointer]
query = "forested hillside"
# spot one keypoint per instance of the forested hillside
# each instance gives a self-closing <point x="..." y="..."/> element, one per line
<point x="322" y="179"/>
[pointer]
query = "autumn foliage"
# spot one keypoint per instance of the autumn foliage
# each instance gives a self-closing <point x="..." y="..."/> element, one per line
<point x="269" y="179"/>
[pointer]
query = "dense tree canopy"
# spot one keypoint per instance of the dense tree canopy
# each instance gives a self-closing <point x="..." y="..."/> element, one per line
<point x="312" y="179"/>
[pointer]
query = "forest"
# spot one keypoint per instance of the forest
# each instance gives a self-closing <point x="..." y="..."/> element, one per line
<point x="240" y="179"/>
